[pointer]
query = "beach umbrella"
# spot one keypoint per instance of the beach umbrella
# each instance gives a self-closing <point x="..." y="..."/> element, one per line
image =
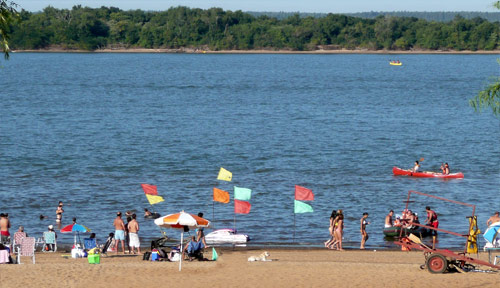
<point x="182" y="220"/>
<point x="76" y="229"/>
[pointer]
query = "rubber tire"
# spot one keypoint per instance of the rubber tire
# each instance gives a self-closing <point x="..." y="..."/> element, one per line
<point x="437" y="263"/>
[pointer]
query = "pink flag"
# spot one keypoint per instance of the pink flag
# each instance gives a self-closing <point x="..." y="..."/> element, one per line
<point x="149" y="189"/>
<point x="303" y="194"/>
<point x="241" y="207"/>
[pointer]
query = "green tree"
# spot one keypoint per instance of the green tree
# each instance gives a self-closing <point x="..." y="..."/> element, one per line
<point x="8" y="14"/>
<point x="490" y="96"/>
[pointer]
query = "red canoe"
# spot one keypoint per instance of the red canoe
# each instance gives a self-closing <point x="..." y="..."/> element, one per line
<point x="402" y="172"/>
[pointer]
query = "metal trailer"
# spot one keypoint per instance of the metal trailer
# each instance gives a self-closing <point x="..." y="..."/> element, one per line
<point x="440" y="260"/>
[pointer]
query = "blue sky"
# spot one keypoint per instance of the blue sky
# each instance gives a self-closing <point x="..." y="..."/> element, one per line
<point x="324" y="6"/>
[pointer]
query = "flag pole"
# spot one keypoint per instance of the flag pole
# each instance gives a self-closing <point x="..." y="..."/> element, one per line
<point x="213" y="213"/>
<point x="294" y="226"/>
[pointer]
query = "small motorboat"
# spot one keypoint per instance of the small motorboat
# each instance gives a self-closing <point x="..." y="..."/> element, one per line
<point x="226" y="236"/>
<point x="396" y="230"/>
<point x="425" y="174"/>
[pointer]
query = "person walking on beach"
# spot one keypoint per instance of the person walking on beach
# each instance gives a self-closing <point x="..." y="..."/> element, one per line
<point x="4" y="228"/>
<point x="331" y="241"/>
<point x="339" y="230"/>
<point x="493" y="219"/>
<point x="432" y="221"/>
<point x="59" y="212"/>
<point x="133" y="229"/>
<point x="364" y="234"/>
<point x="388" y="219"/>
<point x="119" y="232"/>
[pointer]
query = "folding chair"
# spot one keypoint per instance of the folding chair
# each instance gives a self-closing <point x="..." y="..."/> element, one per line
<point x="27" y="249"/>
<point x="89" y="243"/>
<point x="49" y="239"/>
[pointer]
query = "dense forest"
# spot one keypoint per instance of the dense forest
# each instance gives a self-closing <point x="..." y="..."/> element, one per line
<point x="216" y="29"/>
<point x="429" y="16"/>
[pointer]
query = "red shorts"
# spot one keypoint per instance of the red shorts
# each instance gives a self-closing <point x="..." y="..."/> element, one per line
<point x="434" y="224"/>
<point x="4" y="233"/>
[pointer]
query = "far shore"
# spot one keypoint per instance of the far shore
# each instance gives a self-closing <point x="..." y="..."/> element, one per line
<point x="257" y="51"/>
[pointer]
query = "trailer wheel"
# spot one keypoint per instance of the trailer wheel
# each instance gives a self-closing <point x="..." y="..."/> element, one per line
<point x="437" y="263"/>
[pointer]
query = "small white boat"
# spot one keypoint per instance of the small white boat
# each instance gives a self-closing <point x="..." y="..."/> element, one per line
<point x="226" y="236"/>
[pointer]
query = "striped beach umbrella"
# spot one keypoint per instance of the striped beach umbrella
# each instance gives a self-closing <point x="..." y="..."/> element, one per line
<point x="75" y="228"/>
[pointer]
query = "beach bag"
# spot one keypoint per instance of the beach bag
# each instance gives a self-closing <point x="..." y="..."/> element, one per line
<point x="146" y="256"/>
<point x="214" y="254"/>
<point x="176" y="257"/>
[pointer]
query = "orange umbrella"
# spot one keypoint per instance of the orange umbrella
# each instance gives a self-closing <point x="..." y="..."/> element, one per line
<point x="182" y="220"/>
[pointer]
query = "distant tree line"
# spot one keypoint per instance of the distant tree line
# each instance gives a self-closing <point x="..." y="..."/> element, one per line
<point x="429" y="16"/>
<point x="216" y="29"/>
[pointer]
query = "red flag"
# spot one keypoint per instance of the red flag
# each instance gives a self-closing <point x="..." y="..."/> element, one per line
<point x="303" y="194"/>
<point x="241" y="207"/>
<point x="149" y="189"/>
<point x="221" y="195"/>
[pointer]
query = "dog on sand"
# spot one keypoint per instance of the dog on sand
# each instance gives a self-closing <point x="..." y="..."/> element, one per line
<point x="261" y="257"/>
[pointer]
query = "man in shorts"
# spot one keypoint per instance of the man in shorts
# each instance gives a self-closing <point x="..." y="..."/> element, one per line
<point x="119" y="231"/>
<point x="432" y="221"/>
<point x="133" y="229"/>
<point x="4" y="229"/>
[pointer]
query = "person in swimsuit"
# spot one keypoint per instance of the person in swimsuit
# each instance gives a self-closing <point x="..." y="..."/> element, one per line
<point x="388" y="219"/>
<point x="119" y="232"/>
<point x="445" y="168"/>
<point x="339" y="230"/>
<point x="364" y="234"/>
<point x="331" y="242"/>
<point x="59" y="212"/>
<point x="493" y="219"/>
<point x="432" y="221"/>
<point x="133" y="229"/>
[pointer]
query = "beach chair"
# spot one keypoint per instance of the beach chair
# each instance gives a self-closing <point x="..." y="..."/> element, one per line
<point x="27" y="249"/>
<point x="18" y="237"/>
<point x="49" y="242"/>
<point x="89" y="243"/>
<point x="109" y="242"/>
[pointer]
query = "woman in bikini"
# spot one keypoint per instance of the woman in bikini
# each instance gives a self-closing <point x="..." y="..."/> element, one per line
<point x="339" y="230"/>
<point x="331" y="242"/>
<point x="59" y="212"/>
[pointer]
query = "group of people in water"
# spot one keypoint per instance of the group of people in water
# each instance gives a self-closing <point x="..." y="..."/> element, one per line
<point x="445" y="168"/>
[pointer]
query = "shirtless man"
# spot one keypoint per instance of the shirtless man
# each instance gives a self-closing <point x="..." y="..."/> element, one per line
<point x="493" y="219"/>
<point x="4" y="228"/>
<point x="364" y="234"/>
<point x="133" y="228"/>
<point x="388" y="219"/>
<point x="119" y="231"/>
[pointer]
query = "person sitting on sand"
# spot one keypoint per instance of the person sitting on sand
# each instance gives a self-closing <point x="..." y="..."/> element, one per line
<point x="147" y="213"/>
<point x="388" y="219"/>
<point x="493" y="219"/>
<point x="445" y="168"/>
<point x="193" y="249"/>
<point x="416" y="167"/>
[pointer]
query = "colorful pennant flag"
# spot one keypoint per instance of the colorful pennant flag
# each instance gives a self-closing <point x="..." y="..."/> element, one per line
<point x="242" y="194"/>
<point x="149" y="189"/>
<point x="153" y="199"/>
<point x="301" y="207"/>
<point x="221" y="195"/>
<point x="303" y="194"/>
<point x="241" y="207"/>
<point x="224" y="175"/>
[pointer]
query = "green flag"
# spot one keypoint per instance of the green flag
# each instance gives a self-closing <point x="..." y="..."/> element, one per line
<point x="214" y="254"/>
<point x="242" y="194"/>
<point x="301" y="207"/>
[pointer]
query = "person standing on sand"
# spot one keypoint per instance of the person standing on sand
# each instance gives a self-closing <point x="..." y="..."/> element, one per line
<point x="333" y="220"/>
<point x="4" y="228"/>
<point x="119" y="232"/>
<point x="133" y="229"/>
<point x="59" y="212"/>
<point x="364" y="234"/>
<point x="127" y="234"/>
<point x="388" y="219"/>
<point x="493" y="219"/>
<point x="339" y="230"/>
<point x="432" y="221"/>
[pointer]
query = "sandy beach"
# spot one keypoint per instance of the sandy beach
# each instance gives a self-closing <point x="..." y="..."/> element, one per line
<point x="289" y="268"/>
<point x="256" y="51"/>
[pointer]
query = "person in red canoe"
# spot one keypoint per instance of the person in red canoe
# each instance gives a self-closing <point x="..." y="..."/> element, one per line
<point x="445" y="168"/>
<point x="432" y="221"/>
<point x="416" y="167"/>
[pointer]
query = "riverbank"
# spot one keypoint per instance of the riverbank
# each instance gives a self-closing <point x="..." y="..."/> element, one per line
<point x="199" y="51"/>
<point x="289" y="268"/>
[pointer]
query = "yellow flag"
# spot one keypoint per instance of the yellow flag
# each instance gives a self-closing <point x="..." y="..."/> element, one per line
<point x="224" y="175"/>
<point x="153" y="199"/>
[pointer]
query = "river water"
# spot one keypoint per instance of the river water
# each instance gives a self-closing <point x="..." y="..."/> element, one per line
<point x="88" y="129"/>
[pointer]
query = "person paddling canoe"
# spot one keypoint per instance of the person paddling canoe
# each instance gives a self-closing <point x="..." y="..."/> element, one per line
<point x="416" y="167"/>
<point x="445" y="168"/>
